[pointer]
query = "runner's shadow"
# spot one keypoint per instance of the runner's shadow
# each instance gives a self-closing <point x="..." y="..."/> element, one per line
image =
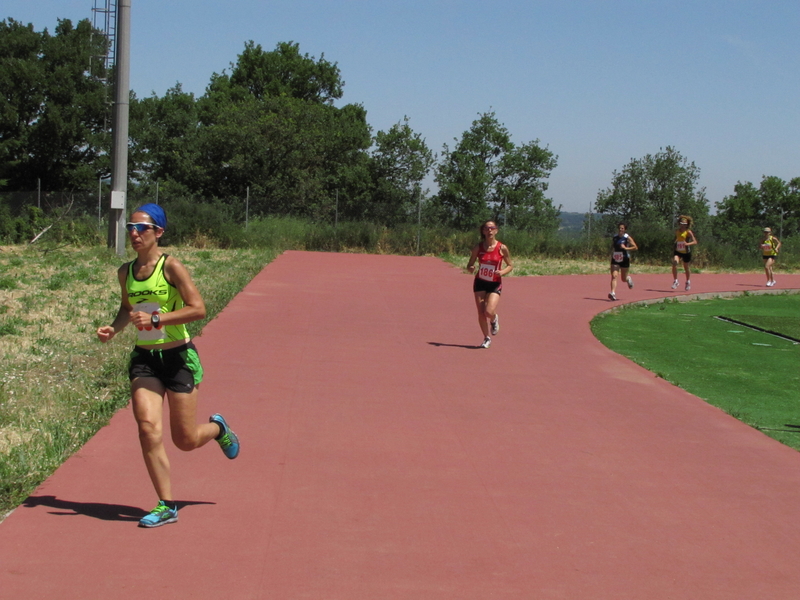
<point x="96" y="510"/>
<point x="670" y="291"/>
<point x="600" y="299"/>
<point x="455" y="345"/>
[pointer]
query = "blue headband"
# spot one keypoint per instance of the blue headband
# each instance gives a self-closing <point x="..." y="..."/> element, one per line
<point x="155" y="212"/>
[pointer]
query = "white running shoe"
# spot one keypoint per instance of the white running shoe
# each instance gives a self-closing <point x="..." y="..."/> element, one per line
<point x="770" y="283"/>
<point x="612" y="296"/>
<point x="688" y="285"/>
<point x="496" y="325"/>
<point x="486" y="343"/>
<point x="630" y="282"/>
<point x="675" y="284"/>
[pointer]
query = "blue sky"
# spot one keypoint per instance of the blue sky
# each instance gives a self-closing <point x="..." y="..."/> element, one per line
<point x="599" y="83"/>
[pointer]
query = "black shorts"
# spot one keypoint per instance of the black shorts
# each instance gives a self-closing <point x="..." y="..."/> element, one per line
<point x="624" y="264"/>
<point x="687" y="257"/>
<point x="773" y="257"/>
<point x="490" y="287"/>
<point x="179" y="369"/>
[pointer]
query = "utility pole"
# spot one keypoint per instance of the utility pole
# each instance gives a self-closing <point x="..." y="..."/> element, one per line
<point x="119" y="126"/>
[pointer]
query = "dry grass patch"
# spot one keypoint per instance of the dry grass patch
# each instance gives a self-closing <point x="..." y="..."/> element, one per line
<point x="542" y="265"/>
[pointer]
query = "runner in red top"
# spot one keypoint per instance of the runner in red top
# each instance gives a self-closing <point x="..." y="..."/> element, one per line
<point x="490" y="254"/>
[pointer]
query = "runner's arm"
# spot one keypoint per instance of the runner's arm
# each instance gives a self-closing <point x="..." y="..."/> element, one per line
<point x="194" y="308"/>
<point x="472" y="258"/>
<point x="106" y="332"/>
<point x="506" y="257"/>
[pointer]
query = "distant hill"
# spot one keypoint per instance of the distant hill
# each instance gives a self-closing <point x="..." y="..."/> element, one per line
<point x="572" y="222"/>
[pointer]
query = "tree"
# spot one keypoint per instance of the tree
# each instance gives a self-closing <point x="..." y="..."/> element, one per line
<point x="486" y="176"/>
<point x="285" y="72"/>
<point x="521" y="188"/>
<point x="269" y="126"/>
<point x="53" y="107"/>
<point x="399" y="163"/>
<point x="164" y="144"/>
<point x="741" y="216"/>
<point x="654" y="190"/>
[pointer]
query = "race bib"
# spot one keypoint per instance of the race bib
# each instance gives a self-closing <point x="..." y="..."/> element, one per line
<point x="617" y="256"/>
<point x="486" y="272"/>
<point x="766" y="247"/>
<point x="681" y="247"/>
<point x="150" y="333"/>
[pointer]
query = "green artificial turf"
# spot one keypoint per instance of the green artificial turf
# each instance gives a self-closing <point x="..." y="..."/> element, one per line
<point x="750" y="374"/>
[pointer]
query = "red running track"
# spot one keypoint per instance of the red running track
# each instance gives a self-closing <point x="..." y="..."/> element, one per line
<point x="384" y="457"/>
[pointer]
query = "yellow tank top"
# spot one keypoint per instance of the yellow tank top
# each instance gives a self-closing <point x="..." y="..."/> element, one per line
<point x="156" y="295"/>
<point x="681" y="238"/>
<point x="768" y="247"/>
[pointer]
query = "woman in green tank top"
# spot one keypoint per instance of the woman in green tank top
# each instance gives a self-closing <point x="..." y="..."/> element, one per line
<point x="159" y="298"/>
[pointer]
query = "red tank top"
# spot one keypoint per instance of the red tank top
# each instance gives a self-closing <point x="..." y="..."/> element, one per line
<point x="489" y="262"/>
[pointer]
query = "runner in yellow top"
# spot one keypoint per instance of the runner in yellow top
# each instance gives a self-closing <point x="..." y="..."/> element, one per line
<point x="684" y="240"/>
<point x="770" y="246"/>
<point x="159" y="298"/>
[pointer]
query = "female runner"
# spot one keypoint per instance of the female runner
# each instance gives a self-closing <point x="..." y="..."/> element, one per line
<point x="621" y="244"/>
<point x="770" y="246"/>
<point x="684" y="240"/>
<point x="490" y="254"/>
<point x="159" y="298"/>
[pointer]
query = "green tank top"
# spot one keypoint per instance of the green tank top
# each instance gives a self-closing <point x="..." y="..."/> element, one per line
<point x="156" y="295"/>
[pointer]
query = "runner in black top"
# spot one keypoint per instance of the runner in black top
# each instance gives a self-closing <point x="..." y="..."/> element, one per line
<point x="621" y="244"/>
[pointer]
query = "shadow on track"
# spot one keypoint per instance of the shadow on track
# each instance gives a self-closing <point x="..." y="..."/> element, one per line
<point x="794" y="428"/>
<point x="96" y="510"/>
<point x="455" y="345"/>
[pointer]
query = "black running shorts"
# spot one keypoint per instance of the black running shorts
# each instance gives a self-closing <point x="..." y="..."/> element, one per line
<point x="179" y="369"/>
<point x="490" y="287"/>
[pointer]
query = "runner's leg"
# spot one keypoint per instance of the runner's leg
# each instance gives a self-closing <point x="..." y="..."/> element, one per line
<point x="480" y="304"/>
<point x="490" y="307"/>
<point x="614" y="275"/>
<point x="187" y="433"/>
<point x="147" y="397"/>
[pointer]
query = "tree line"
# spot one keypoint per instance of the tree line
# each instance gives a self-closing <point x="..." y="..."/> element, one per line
<point x="272" y="126"/>
<point x="649" y="193"/>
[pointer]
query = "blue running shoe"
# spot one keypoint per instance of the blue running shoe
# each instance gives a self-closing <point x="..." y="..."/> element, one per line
<point x="228" y="441"/>
<point x="160" y="515"/>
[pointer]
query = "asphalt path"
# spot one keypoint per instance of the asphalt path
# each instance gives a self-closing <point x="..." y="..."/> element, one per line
<point x="385" y="456"/>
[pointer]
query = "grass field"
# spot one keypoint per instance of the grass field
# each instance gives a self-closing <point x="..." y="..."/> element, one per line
<point x="750" y="374"/>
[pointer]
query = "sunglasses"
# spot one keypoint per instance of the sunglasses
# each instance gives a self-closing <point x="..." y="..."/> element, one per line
<point x="490" y="228"/>
<point x="139" y="227"/>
